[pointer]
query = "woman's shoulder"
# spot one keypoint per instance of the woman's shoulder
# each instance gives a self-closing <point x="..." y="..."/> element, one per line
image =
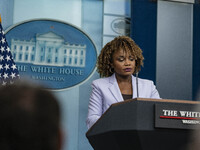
<point x="145" y="81"/>
<point x="101" y="80"/>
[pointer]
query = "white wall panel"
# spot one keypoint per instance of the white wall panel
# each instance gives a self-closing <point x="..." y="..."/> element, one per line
<point x="174" y="50"/>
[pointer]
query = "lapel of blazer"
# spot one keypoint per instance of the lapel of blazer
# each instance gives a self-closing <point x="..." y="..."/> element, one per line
<point x="114" y="89"/>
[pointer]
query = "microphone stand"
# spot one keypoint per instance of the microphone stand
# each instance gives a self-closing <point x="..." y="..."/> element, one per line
<point x="137" y="84"/>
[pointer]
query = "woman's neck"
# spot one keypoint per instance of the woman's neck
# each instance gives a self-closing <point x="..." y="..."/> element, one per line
<point x="120" y="79"/>
<point x="125" y="84"/>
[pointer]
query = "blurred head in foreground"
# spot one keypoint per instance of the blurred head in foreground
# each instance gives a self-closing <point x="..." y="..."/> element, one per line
<point x="29" y="118"/>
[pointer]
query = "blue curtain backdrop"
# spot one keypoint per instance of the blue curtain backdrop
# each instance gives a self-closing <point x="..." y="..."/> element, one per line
<point x="143" y="31"/>
<point x="196" y="51"/>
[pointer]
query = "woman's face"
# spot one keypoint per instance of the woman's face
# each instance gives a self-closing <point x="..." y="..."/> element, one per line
<point x="123" y="63"/>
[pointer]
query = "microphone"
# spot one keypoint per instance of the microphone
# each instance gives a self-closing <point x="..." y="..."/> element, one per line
<point x="137" y="84"/>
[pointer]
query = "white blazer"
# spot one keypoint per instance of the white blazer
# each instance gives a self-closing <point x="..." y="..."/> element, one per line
<point x="105" y="91"/>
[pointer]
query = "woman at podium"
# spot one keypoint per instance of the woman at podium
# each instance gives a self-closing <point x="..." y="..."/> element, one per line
<point x="117" y="64"/>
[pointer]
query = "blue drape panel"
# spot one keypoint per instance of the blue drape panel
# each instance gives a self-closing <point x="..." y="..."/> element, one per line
<point x="196" y="51"/>
<point x="143" y="31"/>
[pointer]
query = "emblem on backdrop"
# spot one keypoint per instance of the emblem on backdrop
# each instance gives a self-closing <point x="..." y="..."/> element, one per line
<point x="121" y="26"/>
<point x="53" y="53"/>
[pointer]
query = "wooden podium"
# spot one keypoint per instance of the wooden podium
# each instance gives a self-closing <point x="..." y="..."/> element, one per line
<point x="145" y="124"/>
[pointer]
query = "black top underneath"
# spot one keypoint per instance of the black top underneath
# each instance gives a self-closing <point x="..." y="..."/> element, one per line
<point x="127" y="96"/>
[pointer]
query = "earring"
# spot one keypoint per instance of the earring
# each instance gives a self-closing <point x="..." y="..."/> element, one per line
<point x="111" y="70"/>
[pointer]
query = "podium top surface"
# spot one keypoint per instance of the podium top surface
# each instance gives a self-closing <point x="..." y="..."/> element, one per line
<point x="160" y="100"/>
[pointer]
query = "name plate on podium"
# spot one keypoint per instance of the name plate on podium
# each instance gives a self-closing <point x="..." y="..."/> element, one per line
<point x="176" y="116"/>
